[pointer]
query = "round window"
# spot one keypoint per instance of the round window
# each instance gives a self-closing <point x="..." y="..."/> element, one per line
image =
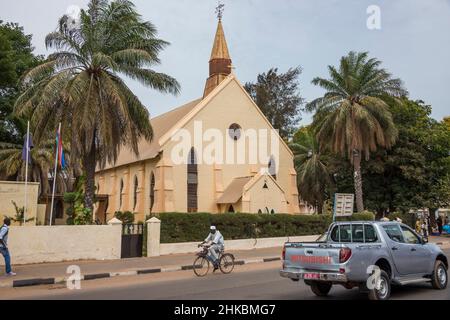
<point x="234" y="131"/>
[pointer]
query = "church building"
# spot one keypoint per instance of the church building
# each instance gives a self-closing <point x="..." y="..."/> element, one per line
<point x="156" y="181"/>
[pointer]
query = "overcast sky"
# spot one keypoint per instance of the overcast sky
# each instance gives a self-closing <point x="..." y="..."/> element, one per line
<point x="413" y="42"/>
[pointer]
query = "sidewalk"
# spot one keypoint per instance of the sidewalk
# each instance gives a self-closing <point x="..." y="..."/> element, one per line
<point x="443" y="240"/>
<point x="51" y="273"/>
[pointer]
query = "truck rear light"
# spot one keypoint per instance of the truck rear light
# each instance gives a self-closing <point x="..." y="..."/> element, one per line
<point x="344" y="255"/>
<point x="283" y="254"/>
<point x="341" y="270"/>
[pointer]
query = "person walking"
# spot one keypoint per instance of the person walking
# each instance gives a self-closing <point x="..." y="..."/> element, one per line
<point x="4" y="246"/>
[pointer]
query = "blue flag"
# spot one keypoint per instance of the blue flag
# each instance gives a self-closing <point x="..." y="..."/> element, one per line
<point x="25" y="147"/>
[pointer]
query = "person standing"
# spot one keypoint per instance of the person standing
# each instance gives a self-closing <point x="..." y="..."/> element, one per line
<point x="419" y="226"/>
<point x="4" y="246"/>
<point x="439" y="224"/>
<point x="425" y="229"/>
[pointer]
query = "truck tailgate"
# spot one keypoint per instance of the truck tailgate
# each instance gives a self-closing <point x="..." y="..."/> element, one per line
<point x="312" y="256"/>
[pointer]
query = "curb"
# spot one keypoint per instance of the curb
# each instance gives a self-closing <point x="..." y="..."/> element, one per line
<point x="103" y="275"/>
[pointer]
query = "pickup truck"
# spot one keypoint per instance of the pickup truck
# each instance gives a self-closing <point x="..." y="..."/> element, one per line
<point x="371" y="255"/>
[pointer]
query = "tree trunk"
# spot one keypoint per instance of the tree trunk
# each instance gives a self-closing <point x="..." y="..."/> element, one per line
<point x="320" y="208"/>
<point x="89" y="184"/>
<point x="358" y="182"/>
<point x="432" y="219"/>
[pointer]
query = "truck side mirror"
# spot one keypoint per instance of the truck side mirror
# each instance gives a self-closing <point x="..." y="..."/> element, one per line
<point x="424" y="240"/>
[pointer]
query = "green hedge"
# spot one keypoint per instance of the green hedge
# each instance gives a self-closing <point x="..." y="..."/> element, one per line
<point x="186" y="227"/>
<point x="407" y="218"/>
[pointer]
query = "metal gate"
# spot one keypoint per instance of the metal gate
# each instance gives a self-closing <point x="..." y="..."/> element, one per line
<point x="132" y="240"/>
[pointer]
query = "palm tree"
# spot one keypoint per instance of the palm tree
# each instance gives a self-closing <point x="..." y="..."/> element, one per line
<point x="42" y="158"/>
<point x="313" y="177"/>
<point x="81" y="84"/>
<point x="353" y="116"/>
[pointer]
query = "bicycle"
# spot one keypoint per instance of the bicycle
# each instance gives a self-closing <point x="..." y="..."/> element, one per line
<point x="202" y="263"/>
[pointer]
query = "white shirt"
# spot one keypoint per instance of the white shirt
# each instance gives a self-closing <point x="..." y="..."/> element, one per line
<point x="217" y="238"/>
<point x="4" y="234"/>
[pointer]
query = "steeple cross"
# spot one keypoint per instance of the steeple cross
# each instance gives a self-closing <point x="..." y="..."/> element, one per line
<point x="219" y="10"/>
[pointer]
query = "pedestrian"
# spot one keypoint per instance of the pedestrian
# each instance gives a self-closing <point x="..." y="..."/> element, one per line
<point x="424" y="229"/>
<point x="4" y="245"/>
<point x="439" y="224"/>
<point x="419" y="226"/>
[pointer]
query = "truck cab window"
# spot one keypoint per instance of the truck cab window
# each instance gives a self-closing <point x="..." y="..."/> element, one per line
<point x="409" y="236"/>
<point x="370" y="233"/>
<point x="357" y="233"/>
<point x="394" y="232"/>
<point x="341" y="233"/>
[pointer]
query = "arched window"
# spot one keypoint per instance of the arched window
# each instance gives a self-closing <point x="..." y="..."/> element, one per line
<point x="135" y="192"/>
<point x="272" y="211"/>
<point x="259" y="211"/>
<point x="120" y="194"/>
<point x="231" y="209"/>
<point x="234" y="131"/>
<point x="272" y="167"/>
<point x="192" y="182"/>
<point x="152" y="190"/>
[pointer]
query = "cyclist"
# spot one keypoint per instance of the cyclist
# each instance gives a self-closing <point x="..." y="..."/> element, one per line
<point x="216" y="243"/>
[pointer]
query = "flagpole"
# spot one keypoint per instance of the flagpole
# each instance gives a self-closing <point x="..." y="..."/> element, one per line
<point x="54" y="175"/>
<point x="26" y="172"/>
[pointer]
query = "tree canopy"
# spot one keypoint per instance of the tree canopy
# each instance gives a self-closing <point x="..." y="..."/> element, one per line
<point x="415" y="173"/>
<point x="353" y="118"/>
<point x="16" y="56"/>
<point x="277" y="95"/>
<point x="82" y="84"/>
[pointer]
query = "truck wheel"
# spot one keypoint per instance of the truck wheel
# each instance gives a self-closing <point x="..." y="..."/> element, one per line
<point x="320" y="289"/>
<point x="383" y="292"/>
<point x="439" y="278"/>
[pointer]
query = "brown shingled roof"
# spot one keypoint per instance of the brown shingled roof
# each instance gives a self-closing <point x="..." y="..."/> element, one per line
<point x="160" y="124"/>
<point x="234" y="191"/>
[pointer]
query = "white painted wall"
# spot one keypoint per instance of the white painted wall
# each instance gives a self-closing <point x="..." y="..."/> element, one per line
<point x="242" y="244"/>
<point x="37" y="244"/>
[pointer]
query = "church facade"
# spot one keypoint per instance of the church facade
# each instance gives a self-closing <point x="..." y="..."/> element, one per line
<point x="157" y="181"/>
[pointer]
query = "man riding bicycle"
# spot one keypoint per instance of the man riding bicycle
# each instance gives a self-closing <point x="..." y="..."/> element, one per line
<point x="216" y="244"/>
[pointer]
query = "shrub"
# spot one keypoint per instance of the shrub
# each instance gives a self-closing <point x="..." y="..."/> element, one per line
<point x="407" y="218"/>
<point x="127" y="217"/>
<point x="186" y="227"/>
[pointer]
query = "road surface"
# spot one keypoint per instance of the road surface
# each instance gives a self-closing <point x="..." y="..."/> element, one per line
<point x="247" y="282"/>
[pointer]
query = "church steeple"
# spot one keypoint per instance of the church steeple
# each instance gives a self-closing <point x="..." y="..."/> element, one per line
<point x="220" y="61"/>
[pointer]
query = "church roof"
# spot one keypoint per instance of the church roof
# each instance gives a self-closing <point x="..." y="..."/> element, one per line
<point x="219" y="63"/>
<point x="160" y="124"/>
<point x="234" y="191"/>
<point x="220" y="48"/>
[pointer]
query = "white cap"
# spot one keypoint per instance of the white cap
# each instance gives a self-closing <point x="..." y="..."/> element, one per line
<point x="213" y="228"/>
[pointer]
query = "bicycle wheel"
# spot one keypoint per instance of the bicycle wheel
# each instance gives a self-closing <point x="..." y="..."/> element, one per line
<point x="226" y="263"/>
<point x="201" y="266"/>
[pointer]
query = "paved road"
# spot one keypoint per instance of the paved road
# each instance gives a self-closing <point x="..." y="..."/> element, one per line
<point x="254" y="281"/>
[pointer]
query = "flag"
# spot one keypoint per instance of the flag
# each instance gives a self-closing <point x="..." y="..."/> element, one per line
<point x="25" y="147"/>
<point x="60" y="150"/>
